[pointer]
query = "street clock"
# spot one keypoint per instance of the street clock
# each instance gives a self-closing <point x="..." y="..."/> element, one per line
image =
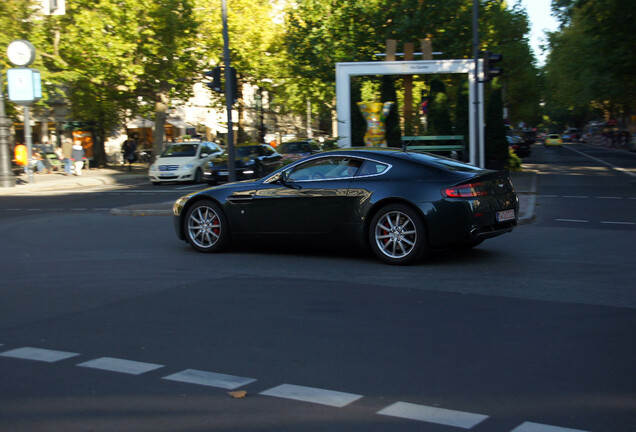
<point x="21" y="52"/>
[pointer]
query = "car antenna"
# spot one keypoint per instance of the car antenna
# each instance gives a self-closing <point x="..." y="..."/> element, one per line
<point x="404" y="146"/>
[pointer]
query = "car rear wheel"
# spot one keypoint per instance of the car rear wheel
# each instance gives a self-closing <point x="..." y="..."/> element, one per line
<point x="206" y="227"/>
<point x="397" y="235"/>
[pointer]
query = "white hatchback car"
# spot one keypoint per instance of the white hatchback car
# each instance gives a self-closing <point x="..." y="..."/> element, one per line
<point x="183" y="161"/>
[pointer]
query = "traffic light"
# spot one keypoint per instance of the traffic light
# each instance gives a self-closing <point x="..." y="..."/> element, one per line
<point x="490" y="71"/>
<point x="234" y="84"/>
<point x="216" y="79"/>
<point x="216" y="83"/>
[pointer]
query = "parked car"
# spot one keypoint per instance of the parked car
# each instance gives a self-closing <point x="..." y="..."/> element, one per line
<point x="571" y="135"/>
<point x="398" y="203"/>
<point x="553" y="140"/>
<point x="520" y="146"/>
<point x="302" y="148"/>
<point x="183" y="161"/>
<point x="250" y="161"/>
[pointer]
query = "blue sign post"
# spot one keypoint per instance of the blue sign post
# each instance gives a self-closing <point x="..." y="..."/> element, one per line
<point x="25" y="87"/>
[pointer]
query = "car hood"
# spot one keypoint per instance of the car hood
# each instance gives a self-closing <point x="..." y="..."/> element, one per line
<point x="175" y="160"/>
<point x="222" y="161"/>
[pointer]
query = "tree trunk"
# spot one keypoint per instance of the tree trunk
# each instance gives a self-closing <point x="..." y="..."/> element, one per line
<point x="161" y="112"/>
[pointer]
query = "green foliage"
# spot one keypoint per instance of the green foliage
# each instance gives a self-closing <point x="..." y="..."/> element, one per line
<point x="591" y="63"/>
<point x="439" y="120"/>
<point x="514" y="162"/>
<point x="388" y="94"/>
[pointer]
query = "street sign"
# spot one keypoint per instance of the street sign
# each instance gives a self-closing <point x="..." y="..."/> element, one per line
<point x="25" y="85"/>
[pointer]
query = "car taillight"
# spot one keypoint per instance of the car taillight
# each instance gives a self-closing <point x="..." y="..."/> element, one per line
<point x="465" y="191"/>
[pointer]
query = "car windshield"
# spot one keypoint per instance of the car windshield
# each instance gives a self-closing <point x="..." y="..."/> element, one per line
<point x="180" y="150"/>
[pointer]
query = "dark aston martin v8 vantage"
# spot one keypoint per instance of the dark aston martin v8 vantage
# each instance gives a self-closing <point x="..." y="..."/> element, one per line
<point x="399" y="203"/>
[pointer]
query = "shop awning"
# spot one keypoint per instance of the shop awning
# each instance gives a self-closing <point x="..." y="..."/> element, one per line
<point x="179" y="123"/>
<point x="138" y="123"/>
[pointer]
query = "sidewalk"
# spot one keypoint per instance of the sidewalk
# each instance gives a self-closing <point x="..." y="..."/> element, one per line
<point x="58" y="181"/>
<point x="525" y="183"/>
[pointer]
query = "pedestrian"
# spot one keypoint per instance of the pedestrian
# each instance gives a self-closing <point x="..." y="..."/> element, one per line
<point x="67" y="153"/>
<point x="128" y="149"/>
<point x="78" y="156"/>
<point x="37" y="161"/>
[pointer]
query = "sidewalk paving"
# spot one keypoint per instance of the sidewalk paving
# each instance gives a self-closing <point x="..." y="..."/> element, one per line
<point x="525" y="183"/>
<point x="58" y="181"/>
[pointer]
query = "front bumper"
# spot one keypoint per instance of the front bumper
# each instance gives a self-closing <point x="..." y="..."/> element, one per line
<point x="170" y="176"/>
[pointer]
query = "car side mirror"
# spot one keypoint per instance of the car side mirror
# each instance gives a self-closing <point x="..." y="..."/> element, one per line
<point x="204" y="155"/>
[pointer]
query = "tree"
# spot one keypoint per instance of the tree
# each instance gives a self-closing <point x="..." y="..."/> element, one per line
<point x="320" y="34"/>
<point x="496" y="145"/>
<point x="591" y="62"/>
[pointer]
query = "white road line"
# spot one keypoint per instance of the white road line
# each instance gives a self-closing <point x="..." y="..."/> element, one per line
<point x="618" y="223"/>
<point x="312" y="394"/>
<point x="38" y="354"/>
<point x="429" y="414"/>
<point x="609" y="197"/>
<point x="572" y="220"/>
<point x="120" y="365"/>
<point x="575" y="196"/>
<point x="623" y="170"/>
<point x="210" y="379"/>
<point x="79" y="209"/>
<point x="537" y="427"/>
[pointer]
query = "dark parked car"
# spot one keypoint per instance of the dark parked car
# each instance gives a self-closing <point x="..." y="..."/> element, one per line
<point x="250" y="161"/>
<point x="401" y="204"/>
<point x="302" y="148"/>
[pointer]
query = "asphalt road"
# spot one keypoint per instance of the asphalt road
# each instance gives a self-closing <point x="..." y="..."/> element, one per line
<point x="109" y="323"/>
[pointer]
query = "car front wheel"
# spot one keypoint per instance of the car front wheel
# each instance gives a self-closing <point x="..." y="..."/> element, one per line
<point x="206" y="227"/>
<point x="397" y="235"/>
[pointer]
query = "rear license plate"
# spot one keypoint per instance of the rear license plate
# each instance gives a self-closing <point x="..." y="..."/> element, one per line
<point x="223" y="173"/>
<point x="505" y="215"/>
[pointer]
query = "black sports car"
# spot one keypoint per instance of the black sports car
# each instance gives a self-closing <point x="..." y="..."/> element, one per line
<point x="401" y="204"/>
<point x="250" y="161"/>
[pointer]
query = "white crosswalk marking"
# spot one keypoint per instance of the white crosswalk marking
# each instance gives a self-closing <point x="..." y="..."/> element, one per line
<point x="429" y="414"/>
<point x="120" y="365"/>
<point x="211" y="379"/>
<point x="311" y="394"/>
<point x="38" y="354"/>
<point x="537" y="427"/>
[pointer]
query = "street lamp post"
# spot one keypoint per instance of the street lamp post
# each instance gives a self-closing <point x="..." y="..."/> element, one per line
<point x="6" y="175"/>
<point x="229" y="98"/>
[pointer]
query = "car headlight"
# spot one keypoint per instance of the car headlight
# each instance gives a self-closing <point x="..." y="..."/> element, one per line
<point x="153" y="167"/>
<point x="188" y="166"/>
<point x="250" y="162"/>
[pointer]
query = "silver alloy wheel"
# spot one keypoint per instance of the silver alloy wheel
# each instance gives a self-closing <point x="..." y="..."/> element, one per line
<point x="395" y="234"/>
<point x="204" y="227"/>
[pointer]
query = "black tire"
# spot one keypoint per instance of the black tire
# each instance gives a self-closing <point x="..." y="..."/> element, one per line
<point x="198" y="176"/>
<point x="206" y="227"/>
<point x="397" y="235"/>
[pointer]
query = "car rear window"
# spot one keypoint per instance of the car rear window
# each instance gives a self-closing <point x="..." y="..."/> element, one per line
<point x="447" y="163"/>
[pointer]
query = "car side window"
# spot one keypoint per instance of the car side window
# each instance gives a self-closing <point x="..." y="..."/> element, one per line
<point x="316" y="169"/>
<point x="371" y="168"/>
<point x="326" y="169"/>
